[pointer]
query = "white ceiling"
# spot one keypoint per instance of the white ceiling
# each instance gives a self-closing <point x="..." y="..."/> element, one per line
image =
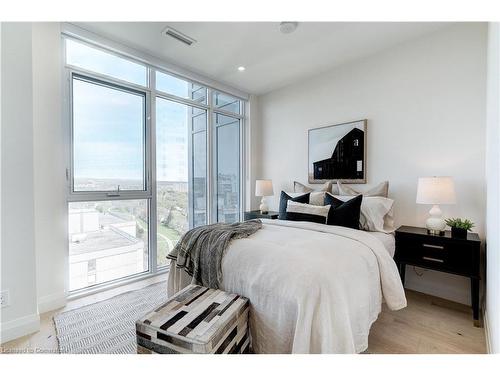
<point x="272" y="59"/>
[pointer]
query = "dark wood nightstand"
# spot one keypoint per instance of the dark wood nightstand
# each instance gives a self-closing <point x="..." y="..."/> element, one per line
<point x="249" y="215"/>
<point x="441" y="253"/>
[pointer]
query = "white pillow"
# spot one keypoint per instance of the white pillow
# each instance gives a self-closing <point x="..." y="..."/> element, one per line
<point x="381" y="190"/>
<point x="377" y="213"/>
<point x="326" y="187"/>
<point x="306" y="212"/>
<point x="316" y="198"/>
<point x="301" y="188"/>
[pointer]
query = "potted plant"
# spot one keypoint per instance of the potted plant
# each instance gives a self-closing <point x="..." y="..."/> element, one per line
<point x="459" y="227"/>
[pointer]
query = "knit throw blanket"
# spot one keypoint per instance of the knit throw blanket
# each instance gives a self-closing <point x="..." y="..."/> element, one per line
<point x="200" y="250"/>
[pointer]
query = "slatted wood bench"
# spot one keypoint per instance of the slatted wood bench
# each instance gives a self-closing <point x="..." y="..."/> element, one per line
<point x="196" y="320"/>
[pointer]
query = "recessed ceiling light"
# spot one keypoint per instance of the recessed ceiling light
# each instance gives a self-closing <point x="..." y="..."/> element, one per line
<point x="241" y="68"/>
<point x="288" y="27"/>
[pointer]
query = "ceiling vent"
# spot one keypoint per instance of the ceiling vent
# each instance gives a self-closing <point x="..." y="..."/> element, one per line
<point x="288" y="27"/>
<point x="177" y="35"/>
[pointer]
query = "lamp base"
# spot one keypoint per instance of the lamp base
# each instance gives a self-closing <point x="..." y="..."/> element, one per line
<point x="264" y="208"/>
<point x="435" y="224"/>
<point x="433" y="232"/>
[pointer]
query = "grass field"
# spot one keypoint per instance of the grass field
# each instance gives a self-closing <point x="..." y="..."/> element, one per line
<point x="163" y="244"/>
<point x="166" y="240"/>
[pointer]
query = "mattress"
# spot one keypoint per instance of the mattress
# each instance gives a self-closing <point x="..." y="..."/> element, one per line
<point x="387" y="240"/>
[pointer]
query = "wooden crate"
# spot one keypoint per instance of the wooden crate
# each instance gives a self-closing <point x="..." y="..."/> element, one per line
<point x="196" y="320"/>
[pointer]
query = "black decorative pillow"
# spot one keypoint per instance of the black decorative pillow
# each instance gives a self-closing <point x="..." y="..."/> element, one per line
<point x="284" y="198"/>
<point x="344" y="214"/>
<point x="296" y="211"/>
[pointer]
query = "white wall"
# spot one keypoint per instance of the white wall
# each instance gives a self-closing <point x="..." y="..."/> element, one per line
<point x="18" y="246"/>
<point x="33" y="195"/>
<point x="49" y="167"/>
<point x="1" y="228"/>
<point x="425" y="105"/>
<point x="492" y="314"/>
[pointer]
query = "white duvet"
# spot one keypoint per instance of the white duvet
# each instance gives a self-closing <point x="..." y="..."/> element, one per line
<point x="313" y="288"/>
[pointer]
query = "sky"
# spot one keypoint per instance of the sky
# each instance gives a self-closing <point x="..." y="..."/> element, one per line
<point x="95" y="60"/>
<point x="108" y="131"/>
<point x="108" y="124"/>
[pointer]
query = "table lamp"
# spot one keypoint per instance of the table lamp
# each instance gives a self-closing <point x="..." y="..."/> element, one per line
<point x="435" y="191"/>
<point x="263" y="188"/>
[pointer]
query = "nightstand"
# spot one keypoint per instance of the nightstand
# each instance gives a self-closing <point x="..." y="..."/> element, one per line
<point x="441" y="253"/>
<point x="249" y="215"/>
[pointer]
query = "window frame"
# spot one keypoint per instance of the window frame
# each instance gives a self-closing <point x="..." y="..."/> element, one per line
<point x="215" y="152"/>
<point x="108" y="51"/>
<point x="223" y="111"/>
<point x="153" y="70"/>
<point x="170" y="98"/>
<point x="192" y="134"/>
<point x="128" y="194"/>
<point x="150" y="193"/>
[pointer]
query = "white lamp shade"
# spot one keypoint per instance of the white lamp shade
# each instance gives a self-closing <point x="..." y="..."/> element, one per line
<point x="436" y="190"/>
<point x="263" y="188"/>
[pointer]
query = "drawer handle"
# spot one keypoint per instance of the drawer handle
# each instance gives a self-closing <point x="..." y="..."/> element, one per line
<point x="433" y="259"/>
<point x="433" y="246"/>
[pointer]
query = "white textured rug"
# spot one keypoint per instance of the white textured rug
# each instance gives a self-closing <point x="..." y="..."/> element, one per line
<point x="107" y="327"/>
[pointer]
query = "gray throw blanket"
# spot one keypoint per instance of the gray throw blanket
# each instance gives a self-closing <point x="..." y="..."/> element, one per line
<point x="200" y="250"/>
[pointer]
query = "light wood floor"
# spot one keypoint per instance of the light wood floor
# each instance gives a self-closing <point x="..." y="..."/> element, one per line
<point x="428" y="325"/>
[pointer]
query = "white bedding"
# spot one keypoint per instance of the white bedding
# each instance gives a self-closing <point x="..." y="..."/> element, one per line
<point x="387" y="240"/>
<point x="313" y="288"/>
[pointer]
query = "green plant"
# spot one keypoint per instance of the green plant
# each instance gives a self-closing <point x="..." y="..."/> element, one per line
<point x="459" y="223"/>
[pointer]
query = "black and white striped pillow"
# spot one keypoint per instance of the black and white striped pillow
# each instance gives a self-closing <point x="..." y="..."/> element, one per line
<point x="306" y="212"/>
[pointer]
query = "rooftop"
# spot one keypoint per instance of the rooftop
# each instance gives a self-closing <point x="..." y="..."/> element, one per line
<point x="102" y="240"/>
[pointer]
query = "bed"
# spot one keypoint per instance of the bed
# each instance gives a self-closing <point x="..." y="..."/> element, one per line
<point x="313" y="288"/>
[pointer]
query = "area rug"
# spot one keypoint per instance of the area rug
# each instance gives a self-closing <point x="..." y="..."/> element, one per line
<point x="107" y="327"/>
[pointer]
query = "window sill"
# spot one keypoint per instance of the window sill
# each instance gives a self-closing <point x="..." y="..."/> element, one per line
<point x="114" y="284"/>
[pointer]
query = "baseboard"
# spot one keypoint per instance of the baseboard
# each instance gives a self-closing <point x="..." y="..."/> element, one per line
<point x="51" y="302"/>
<point x="487" y="332"/>
<point x="16" y="328"/>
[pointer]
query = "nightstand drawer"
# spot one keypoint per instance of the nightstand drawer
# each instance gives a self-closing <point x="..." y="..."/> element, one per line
<point x="453" y="256"/>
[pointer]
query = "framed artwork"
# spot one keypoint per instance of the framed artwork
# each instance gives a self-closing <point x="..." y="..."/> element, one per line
<point x="338" y="153"/>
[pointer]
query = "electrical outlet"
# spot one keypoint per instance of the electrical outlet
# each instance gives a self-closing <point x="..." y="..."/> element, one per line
<point x="4" y="298"/>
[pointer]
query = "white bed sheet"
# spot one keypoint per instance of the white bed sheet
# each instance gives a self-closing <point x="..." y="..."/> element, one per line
<point x="388" y="240"/>
<point x="313" y="288"/>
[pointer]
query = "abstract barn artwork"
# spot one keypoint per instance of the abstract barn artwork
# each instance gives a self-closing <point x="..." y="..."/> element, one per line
<point x="338" y="153"/>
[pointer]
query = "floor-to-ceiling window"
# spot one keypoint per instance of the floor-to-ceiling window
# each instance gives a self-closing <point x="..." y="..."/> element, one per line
<point x="227" y="146"/>
<point x="179" y="127"/>
<point x="151" y="155"/>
